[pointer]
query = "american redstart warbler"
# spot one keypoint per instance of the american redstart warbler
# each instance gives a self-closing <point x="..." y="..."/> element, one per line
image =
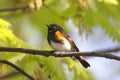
<point x="59" y="40"/>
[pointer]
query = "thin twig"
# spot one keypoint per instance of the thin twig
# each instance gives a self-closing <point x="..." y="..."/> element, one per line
<point x="14" y="8"/>
<point x="25" y="7"/>
<point x="17" y="68"/>
<point x="65" y="54"/>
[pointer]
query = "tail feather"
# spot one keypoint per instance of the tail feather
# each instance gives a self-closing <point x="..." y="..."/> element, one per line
<point x="83" y="62"/>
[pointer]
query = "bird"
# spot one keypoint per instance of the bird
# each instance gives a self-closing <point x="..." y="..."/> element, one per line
<point x="59" y="40"/>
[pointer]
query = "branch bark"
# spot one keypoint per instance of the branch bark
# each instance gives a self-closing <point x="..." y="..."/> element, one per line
<point x="14" y="8"/>
<point x="17" y="68"/>
<point x="102" y="53"/>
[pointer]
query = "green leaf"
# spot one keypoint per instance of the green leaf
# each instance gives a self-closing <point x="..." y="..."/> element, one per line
<point x="53" y="68"/>
<point x="90" y="19"/>
<point x="8" y="39"/>
<point x="105" y="16"/>
<point x="114" y="2"/>
<point x="80" y="73"/>
<point x="4" y="24"/>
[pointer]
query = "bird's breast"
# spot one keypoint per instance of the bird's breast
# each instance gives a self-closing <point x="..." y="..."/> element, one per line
<point x="63" y="46"/>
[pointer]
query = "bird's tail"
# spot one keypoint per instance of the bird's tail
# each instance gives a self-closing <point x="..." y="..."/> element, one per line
<point x="83" y="62"/>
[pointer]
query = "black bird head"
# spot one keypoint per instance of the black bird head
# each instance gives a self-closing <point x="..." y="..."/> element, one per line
<point x="54" y="28"/>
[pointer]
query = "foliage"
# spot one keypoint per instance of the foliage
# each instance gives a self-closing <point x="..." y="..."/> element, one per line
<point x="80" y="72"/>
<point x="29" y="63"/>
<point x="88" y="13"/>
<point x="105" y="14"/>
<point x="51" y="66"/>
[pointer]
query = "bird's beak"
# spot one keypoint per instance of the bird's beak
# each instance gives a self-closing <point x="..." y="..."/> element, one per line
<point x="47" y="25"/>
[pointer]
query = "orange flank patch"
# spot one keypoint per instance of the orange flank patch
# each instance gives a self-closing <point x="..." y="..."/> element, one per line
<point x="59" y="35"/>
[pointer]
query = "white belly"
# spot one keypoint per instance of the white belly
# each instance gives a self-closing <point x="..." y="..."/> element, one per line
<point x="61" y="47"/>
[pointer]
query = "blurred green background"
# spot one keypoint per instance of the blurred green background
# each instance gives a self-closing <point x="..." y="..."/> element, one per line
<point x="93" y="25"/>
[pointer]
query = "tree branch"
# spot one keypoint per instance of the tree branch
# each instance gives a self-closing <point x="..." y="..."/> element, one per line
<point x="14" y="8"/>
<point x="101" y="53"/>
<point x="17" y="68"/>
